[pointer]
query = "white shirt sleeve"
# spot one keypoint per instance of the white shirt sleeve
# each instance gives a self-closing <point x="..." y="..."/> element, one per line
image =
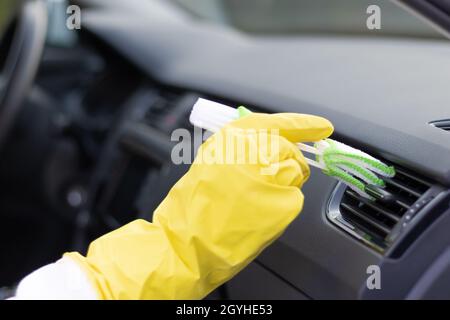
<point x="62" y="280"/>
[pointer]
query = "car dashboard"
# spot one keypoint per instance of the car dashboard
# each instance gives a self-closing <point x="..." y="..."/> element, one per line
<point x="142" y="72"/>
<point x="371" y="91"/>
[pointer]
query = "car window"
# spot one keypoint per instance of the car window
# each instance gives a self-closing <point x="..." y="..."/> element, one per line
<point x="346" y="17"/>
<point x="7" y="10"/>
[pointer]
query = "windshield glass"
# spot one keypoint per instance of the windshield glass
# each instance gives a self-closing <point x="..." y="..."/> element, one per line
<point x="7" y="10"/>
<point x="345" y="17"/>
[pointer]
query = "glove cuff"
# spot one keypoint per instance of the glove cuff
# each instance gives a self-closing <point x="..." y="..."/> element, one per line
<point x="61" y="280"/>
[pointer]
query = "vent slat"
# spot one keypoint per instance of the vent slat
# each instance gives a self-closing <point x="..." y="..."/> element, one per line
<point x="403" y="187"/>
<point x="412" y="177"/>
<point x="374" y="205"/>
<point x="361" y="215"/>
<point x="403" y="204"/>
<point x="442" y="124"/>
<point x="375" y="219"/>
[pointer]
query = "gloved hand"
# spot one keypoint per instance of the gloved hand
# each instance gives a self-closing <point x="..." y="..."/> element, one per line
<point x="214" y="221"/>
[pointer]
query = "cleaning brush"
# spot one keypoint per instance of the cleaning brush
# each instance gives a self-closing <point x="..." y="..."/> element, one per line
<point x="358" y="170"/>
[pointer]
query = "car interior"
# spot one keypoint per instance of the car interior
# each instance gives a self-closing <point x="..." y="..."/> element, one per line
<point x="87" y="115"/>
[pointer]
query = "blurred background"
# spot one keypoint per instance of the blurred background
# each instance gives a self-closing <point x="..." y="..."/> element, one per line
<point x="64" y="182"/>
<point x="6" y="6"/>
<point x="293" y="17"/>
<point x="290" y="17"/>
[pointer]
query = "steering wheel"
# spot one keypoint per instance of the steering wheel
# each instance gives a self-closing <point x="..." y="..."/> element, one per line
<point x="22" y="62"/>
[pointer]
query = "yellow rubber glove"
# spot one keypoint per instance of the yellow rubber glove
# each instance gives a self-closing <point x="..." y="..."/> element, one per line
<point x="214" y="221"/>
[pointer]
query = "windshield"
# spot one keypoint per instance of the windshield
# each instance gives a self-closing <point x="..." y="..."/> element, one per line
<point x="7" y="10"/>
<point x="347" y="17"/>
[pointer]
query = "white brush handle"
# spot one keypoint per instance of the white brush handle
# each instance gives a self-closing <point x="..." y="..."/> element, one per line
<point x="313" y="163"/>
<point x="212" y="116"/>
<point x="310" y="149"/>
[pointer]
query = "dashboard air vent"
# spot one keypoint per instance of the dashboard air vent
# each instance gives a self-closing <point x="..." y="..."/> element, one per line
<point x="376" y="222"/>
<point x="170" y="111"/>
<point x="441" y="124"/>
<point x="159" y="112"/>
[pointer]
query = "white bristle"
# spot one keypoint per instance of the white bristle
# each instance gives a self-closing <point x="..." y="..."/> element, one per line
<point x="211" y="115"/>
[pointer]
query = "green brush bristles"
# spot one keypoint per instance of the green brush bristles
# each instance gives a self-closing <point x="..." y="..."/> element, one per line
<point x="351" y="166"/>
<point x="354" y="167"/>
